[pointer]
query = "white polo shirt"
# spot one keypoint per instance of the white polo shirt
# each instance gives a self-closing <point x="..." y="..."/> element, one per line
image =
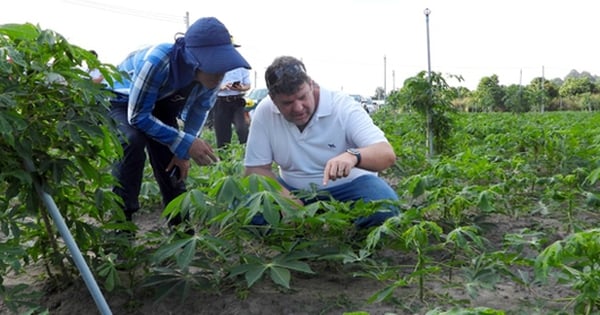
<point x="340" y="123"/>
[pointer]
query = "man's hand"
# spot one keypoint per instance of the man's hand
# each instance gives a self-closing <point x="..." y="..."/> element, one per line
<point x="338" y="167"/>
<point x="202" y="153"/>
<point x="183" y="165"/>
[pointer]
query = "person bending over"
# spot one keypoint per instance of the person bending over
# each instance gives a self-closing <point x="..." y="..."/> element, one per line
<point x="162" y="80"/>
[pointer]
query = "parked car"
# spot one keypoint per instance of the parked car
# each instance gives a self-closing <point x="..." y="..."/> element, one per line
<point x="379" y="103"/>
<point x="357" y="97"/>
<point x="253" y="98"/>
<point x="370" y="105"/>
<point x="365" y="101"/>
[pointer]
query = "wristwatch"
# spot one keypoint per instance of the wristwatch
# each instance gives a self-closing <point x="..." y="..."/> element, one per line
<point x="356" y="153"/>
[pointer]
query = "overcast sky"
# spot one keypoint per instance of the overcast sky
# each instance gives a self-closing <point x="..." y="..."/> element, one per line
<point x="352" y="45"/>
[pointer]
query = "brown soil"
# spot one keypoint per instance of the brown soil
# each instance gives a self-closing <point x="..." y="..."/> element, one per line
<point x="332" y="290"/>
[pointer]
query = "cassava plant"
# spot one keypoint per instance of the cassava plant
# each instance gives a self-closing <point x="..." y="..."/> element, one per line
<point x="56" y="135"/>
<point x="576" y="260"/>
<point x="430" y="96"/>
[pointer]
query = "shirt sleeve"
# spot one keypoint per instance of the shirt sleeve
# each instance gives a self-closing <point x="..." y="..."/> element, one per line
<point x="364" y="132"/>
<point x="258" y="147"/>
<point x="151" y="75"/>
<point x="246" y="77"/>
<point x="199" y="103"/>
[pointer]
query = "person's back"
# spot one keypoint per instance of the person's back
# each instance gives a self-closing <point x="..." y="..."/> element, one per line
<point x="157" y="55"/>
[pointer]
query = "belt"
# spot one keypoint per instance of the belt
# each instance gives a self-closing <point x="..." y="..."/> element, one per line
<point x="231" y="98"/>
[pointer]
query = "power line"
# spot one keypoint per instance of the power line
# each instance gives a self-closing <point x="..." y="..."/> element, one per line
<point x="128" y="11"/>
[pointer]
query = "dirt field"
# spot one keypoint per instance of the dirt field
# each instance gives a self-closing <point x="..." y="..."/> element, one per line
<point x="332" y="290"/>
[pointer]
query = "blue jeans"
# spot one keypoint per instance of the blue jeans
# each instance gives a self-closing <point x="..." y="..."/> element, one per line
<point x="366" y="188"/>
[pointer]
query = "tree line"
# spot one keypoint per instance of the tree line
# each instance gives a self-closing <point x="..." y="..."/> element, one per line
<point x="577" y="91"/>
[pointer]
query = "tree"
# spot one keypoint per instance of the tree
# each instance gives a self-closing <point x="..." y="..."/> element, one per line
<point x="517" y="99"/>
<point x="462" y="98"/>
<point x="550" y="86"/>
<point x="542" y="92"/>
<point x="432" y="99"/>
<point x="379" y="94"/>
<point x="575" y="86"/>
<point x="489" y="94"/>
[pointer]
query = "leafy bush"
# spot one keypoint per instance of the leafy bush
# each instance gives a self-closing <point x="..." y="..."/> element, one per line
<point x="55" y="136"/>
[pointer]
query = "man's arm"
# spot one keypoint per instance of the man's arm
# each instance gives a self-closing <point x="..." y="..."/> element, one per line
<point x="375" y="157"/>
<point x="152" y="73"/>
<point x="264" y="170"/>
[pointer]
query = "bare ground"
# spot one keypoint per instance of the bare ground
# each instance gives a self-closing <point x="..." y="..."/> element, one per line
<point x="332" y="290"/>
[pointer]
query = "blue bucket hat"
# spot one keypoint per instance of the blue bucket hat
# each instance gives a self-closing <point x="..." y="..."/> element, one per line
<point x="208" y="46"/>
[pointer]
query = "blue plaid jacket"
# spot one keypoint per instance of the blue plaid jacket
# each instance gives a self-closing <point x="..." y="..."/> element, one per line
<point x="147" y="82"/>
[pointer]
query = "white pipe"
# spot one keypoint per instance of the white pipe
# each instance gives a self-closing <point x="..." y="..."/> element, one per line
<point x="88" y="278"/>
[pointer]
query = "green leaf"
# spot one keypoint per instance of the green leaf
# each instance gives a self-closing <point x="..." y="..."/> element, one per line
<point x="271" y="214"/>
<point x="25" y="31"/>
<point x="417" y="187"/>
<point x="185" y="257"/>
<point x="229" y="190"/>
<point x="241" y="269"/>
<point x="295" y="265"/>
<point x="89" y="171"/>
<point x="254" y="273"/>
<point x="170" y="249"/>
<point x="592" y="178"/>
<point x="484" y="202"/>
<point x="111" y="279"/>
<point x="280" y="276"/>
<point x="548" y="258"/>
<point x="6" y="130"/>
<point x="386" y="292"/>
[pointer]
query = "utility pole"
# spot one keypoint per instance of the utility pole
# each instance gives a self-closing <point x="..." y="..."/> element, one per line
<point x="521" y="89"/>
<point x="542" y="94"/>
<point x="429" y="115"/>
<point x="384" y="77"/>
<point x="186" y="19"/>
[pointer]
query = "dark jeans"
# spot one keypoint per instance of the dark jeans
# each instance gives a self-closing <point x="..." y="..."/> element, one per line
<point x="129" y="170"/>
<point x="227" y="111"/>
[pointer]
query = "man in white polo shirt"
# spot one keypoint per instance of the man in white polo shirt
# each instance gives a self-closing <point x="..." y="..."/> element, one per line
<point x="318" y="137"/>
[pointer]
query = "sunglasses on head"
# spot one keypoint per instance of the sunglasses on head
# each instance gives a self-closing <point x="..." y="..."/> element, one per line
<point x="290" y="70"/>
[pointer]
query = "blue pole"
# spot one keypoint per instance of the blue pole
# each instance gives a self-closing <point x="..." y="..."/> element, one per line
<point x="88" y="278"/>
